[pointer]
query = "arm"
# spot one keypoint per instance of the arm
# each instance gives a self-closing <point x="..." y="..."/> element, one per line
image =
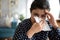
<point x="54" y="34"/>
<point x="20" y="33"/>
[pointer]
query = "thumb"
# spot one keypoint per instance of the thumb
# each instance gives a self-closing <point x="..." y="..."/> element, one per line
<point x="42" y="21"/>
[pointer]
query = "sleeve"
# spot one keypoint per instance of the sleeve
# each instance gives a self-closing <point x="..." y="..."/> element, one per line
<point x="54" y="34"/>
<point x="20" y="33"/>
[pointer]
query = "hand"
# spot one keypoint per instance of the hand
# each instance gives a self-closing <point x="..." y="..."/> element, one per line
<point x="36" y="27"/>
<point x="51" y="19"/>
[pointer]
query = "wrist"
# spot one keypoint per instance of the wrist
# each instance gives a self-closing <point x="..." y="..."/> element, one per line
<point x="30" y="33"/>
<point x="55" y="26"/>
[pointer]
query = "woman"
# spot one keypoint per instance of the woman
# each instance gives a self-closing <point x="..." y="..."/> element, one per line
<point x="29" y="29"/>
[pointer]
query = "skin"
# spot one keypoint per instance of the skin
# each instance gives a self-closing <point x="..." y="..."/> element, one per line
<point x="39" y="12"/>
<point x="37" y="27"/>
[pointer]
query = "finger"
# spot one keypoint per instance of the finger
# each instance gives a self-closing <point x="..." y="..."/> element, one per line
<point x="41" y="22"/>
<point x="48" y="17"/>
<point x="44" y="22"/>
<point x="48" y="13"/>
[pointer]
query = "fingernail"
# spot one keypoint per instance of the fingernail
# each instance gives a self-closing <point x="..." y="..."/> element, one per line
<point x="46" y="11"/>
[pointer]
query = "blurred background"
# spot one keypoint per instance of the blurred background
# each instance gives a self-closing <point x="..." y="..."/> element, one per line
<point x="12" y="12"/>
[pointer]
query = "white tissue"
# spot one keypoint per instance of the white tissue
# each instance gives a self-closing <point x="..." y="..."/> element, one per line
<point x="37" y="19"/>
<point x="46" y="26"/>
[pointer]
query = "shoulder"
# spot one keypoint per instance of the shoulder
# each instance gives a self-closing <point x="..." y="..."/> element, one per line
<point x="24" y="25"/>
<point x="25" y="22"/>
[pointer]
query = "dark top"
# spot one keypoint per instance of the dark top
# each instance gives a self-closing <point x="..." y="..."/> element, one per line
<point x="24" y="26"/>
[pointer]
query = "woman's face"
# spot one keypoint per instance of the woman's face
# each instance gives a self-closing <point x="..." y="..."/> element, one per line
<point x="39" y="13"/>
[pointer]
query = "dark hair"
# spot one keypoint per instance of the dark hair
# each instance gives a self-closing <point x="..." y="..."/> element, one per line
<point x="41" y="4"/>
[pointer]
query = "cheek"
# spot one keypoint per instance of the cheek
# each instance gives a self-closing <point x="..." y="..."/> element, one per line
<point x="32" y="15"/>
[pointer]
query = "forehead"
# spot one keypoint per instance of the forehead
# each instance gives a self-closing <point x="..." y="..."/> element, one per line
<point x="38" y="11"/>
